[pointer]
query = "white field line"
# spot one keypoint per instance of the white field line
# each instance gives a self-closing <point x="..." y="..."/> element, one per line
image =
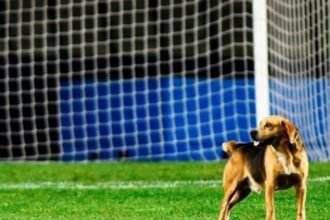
<point x="110" y="185"/>
<point x="117" y="185"/>
<point x="320" y="179"/>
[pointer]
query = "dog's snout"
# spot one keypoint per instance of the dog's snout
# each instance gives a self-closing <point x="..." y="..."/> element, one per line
<point x="254" y="134"/>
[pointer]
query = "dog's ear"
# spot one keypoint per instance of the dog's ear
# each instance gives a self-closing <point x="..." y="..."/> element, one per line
<point x="291" y="130"/>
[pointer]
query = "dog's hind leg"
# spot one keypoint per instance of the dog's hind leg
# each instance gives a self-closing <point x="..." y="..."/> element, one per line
<point x="229" y="193"/>
<point x="241" y="193"/>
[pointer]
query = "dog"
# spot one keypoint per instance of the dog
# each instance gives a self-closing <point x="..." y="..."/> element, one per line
<point x="277" y="160"/>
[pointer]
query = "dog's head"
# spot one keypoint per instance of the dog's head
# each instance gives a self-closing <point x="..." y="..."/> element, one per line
<point x="273" y="128"/>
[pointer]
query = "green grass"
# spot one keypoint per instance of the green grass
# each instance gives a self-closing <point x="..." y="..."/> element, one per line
<point x="183" y="201"/>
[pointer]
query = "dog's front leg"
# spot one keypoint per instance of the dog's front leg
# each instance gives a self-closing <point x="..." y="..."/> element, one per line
<point x="269" y="197"/>
<point x="301" y="198"/>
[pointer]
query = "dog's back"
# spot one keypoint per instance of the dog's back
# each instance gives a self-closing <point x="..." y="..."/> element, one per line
<point x="253" y="155"/>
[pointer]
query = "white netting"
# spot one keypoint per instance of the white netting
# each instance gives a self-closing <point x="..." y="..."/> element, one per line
<point x="136" y="79"/>
<point x="299" y="65"/>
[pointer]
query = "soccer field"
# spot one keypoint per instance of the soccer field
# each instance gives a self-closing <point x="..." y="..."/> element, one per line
<point x="139" y="191"/>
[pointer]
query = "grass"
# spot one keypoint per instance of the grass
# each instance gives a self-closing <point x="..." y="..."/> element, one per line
<point x="182" y="201"/>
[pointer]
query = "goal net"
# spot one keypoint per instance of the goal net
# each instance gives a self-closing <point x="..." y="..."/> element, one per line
<point x="299" y="68"/>
<point x="154" y="79"/>
<point x="124" y="79"/>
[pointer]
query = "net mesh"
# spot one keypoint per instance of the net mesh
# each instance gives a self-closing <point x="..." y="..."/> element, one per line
<point x="144" y="79"/>
<point x="299" y="62"/>
<point x="154" y="79"/>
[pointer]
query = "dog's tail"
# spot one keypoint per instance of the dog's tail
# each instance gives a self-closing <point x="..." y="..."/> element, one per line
<point x="229" y="147"/>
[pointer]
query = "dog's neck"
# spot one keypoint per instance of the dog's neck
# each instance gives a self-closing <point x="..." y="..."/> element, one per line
<point x="284" y="148"/>
<point x="277" y="143"/>
<point x="282" y="144"/>
<point x="284" y="155"/>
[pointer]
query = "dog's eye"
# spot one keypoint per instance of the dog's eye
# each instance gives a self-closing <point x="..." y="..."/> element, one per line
<point x="268" y="125"/>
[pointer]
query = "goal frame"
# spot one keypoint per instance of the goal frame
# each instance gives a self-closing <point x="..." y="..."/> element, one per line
<point x="260" y="51"/>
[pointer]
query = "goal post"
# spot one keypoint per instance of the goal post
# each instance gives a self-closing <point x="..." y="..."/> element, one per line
<point x="260" y="53"/>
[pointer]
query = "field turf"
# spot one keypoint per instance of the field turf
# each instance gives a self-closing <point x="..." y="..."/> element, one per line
<point x="140" y="191"/>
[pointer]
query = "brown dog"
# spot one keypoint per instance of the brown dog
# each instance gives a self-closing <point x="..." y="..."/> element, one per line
<point x="279" y="161"/>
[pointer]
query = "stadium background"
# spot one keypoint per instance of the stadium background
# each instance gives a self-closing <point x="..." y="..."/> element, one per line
<point x="48" y="80"/>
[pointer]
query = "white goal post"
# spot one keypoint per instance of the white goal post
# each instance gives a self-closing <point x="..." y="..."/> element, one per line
<point x="260" y="53"/>
<point x="84" y="80"/>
